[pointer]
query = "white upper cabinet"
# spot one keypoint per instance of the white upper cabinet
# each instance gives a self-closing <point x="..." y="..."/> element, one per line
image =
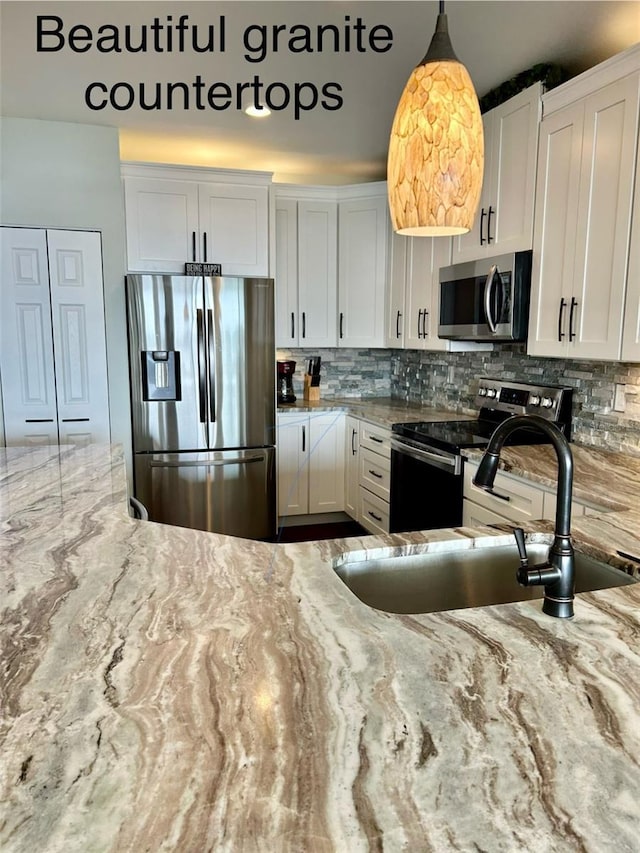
<point x="363" y="229"/>
<point x="413" y="295"/>
<point x="586" y="169"/>
<point x="504" y="221"/>
<point x="317" y="273"/>
<point x="425" y="256"/>
<point x="305" y="269"/>
<point x="177" y="215"/>
<point x="631" y="332"/>
<point x="53" y="351"/>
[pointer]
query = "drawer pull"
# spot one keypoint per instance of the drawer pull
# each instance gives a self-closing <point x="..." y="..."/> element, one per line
<point x="376" y="439"/>
<point x="373" y="515"/>
<point x="498" y="495"/>
<point x="375" y="474"/>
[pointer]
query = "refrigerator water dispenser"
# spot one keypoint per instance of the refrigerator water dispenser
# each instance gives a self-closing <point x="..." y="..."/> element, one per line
<point x="160" y="375"/>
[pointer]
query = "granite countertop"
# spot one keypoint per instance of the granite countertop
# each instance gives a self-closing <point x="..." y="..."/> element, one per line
<point x="384" y="411"/>
<point x="170" y="689"/>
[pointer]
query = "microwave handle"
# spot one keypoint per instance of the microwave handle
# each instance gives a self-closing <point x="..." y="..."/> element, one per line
<point x="488" y="290"/>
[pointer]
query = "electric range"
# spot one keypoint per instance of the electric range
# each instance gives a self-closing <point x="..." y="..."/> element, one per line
<point x="427" y="456"/>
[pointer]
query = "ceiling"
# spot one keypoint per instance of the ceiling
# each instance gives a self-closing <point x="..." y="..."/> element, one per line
<point x="495" y="40"/>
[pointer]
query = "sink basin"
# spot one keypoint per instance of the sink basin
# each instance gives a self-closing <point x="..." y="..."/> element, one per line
<point x="455" y="579"/>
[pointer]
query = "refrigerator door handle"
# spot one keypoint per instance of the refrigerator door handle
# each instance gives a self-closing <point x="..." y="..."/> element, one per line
<point x="212" y="366"/>
<point x="211" y="463"/>
<point x="202" y="393"/>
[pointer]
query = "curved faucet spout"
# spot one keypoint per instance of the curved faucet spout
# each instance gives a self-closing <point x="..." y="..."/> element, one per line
<point x="558" y="574"/>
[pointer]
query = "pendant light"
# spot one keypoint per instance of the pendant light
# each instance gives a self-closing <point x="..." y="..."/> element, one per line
<point x="436" y="150"/>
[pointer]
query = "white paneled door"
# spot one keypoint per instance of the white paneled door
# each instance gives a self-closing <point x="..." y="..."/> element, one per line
<point x="52" y="338"/>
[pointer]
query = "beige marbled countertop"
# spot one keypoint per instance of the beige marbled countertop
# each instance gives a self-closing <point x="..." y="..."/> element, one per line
<point x="169" y="689"/>
<point x="383" y="411"/>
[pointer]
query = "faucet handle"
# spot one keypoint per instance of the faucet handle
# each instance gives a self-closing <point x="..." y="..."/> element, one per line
<point x="522" y="548"/>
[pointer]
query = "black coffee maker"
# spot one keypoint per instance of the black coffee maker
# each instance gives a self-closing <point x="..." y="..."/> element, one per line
<point x="286" y="369"/>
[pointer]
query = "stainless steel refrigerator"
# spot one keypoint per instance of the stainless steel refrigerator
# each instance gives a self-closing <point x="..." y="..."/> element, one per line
<point x="202" y="364"/>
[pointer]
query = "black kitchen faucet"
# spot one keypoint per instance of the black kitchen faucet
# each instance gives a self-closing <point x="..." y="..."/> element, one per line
<point x="557" y="574"/>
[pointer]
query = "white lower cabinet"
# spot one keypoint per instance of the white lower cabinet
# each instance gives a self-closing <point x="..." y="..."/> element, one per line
<point x="52" y="338"/>
<point x="513" y="499"/>
<point x="352" y="466"/>
<point x="311" y="458"/>
<point x="374" y="473"/>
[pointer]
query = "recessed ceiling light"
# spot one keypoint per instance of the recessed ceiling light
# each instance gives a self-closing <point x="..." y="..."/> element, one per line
<point x="257" y="112"/>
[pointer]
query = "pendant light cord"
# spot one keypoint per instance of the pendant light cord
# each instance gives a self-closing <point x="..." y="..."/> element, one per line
<point x="441" y="9"/>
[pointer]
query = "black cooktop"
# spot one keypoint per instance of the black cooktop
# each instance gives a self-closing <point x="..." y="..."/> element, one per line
<point x="454" y="436"/>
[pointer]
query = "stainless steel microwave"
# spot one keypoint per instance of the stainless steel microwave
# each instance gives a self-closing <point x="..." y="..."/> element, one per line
<point x="486" y="300"/>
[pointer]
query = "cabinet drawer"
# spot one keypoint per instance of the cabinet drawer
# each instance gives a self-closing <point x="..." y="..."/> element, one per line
<point x="474" y="515"/>
<point x="375" y="438"/>
<point x="375" y="472"/>
<point x="512" y="497"/>
<point x="374" y="512"/>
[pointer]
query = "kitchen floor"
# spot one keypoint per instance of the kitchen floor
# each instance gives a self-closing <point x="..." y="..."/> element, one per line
<point x="311" y="532"/>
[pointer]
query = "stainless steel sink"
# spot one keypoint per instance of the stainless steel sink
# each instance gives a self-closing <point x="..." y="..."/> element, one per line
<point x="455" y="579"/>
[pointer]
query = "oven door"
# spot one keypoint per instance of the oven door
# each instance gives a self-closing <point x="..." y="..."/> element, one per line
<point x="426" y="487"/>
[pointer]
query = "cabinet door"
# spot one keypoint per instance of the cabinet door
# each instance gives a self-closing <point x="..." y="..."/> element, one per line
<point x="512" y="497"/>
<point x="397" y="277"/>
<point x="162" y="224"/>
<point x="77" y="313"/>
<point x="504" y="222"/>
<point x="286" y="276"/>
<point x="317" y="273"/>
<point x="631" y="333"/>
<point x="326" y="463"/>
<point x="604" y="218"/>
<point x="362" y="258"/>
<point x="474" y="515"/>
<point x="473" y="245"/>
<point x="351" y="457"/>
<point x="426" y="256"/>
<point x="234" y="226"/>
<point x="292" y="449"/>
<point x="514" y="141"/>
<point x="26" y="340"/>
<point x="555" y="231"/>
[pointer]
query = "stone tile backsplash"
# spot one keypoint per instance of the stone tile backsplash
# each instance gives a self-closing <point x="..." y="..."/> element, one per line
<point x="345" y="372"/>
<point x="449" y="381"/>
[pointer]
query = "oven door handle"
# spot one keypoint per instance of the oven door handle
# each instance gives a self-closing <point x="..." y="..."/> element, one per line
<point x="488" y="292"/>
<point x="430" y="456"/>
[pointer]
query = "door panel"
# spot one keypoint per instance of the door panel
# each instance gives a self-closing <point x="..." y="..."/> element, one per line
<point x="554" y="239"/>
<point x="164" y="312"/>
<point x="241" y="353"/>
<point x="606" y="193"/>
<point x="234" y="223"/>
<point x="231" y="492"/>
<point x="26" y="340"/>
<point x="77" y="307"/>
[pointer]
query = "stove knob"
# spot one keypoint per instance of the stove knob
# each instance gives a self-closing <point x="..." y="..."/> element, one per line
<point x="491" y="392"/>
<point x="547" y="403"/>
<point x="482" y="391"/>
<point x="534" y="400"/>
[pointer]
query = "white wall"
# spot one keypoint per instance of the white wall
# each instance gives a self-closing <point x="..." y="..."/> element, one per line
<point x="61" y="175"/>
